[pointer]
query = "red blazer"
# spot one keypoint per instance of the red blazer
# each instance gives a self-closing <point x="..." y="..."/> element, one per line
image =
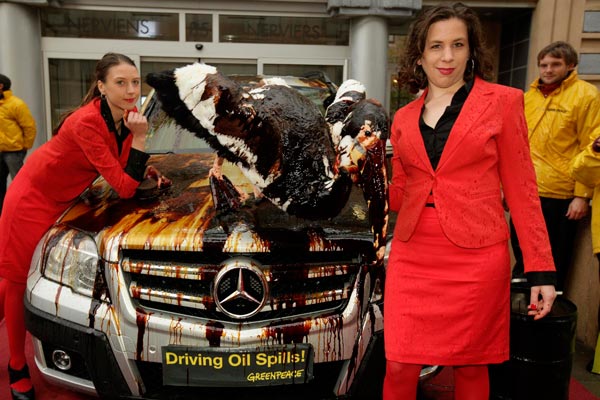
<point x="487" y="153"/>
<point x="92" y="150"/>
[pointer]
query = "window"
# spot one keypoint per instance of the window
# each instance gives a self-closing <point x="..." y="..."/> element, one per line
<point x="69" y="82"/>
<point x="285" y="30"/>
<point x="109" y="24"/>
<point x="198" y="28"/>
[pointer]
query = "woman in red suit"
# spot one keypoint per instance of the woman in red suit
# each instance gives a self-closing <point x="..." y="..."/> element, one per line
<point x="459" y="150"/>
<point x="104" y="136"/>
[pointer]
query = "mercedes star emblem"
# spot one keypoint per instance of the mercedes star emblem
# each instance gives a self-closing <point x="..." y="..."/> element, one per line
<point x="240" y="288"/>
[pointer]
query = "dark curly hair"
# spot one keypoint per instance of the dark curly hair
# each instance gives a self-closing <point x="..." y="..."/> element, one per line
<point x="412" y="75"/>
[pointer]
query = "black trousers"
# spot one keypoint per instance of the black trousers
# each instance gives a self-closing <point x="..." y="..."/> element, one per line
<point x="561" y="232"/>
<point x="10" y="163"/>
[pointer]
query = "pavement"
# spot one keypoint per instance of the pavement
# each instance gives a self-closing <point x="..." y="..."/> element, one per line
<point x="581" y="376"/>
<point x="582" y="385"/>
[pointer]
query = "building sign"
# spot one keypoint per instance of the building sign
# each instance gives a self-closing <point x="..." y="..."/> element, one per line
<point x="109" y="24"/>
<point x="198" y="28"/>
<point x="286" y="30"/>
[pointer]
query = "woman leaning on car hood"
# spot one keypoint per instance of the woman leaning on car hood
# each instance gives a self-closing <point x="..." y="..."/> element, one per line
<point x="104" y="136"/>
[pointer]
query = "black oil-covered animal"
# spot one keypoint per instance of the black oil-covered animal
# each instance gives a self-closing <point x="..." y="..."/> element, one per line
<point x="303" y="162"/>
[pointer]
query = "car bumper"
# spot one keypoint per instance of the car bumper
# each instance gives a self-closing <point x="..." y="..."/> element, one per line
<point x="95" y="369"/>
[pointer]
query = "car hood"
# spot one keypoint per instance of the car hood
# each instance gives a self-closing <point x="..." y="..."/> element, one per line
<point x="184" y="218"/>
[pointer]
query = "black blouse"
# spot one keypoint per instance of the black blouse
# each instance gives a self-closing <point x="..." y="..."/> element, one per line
<point x="136" y="163"/>
<point x="435" y="138"/>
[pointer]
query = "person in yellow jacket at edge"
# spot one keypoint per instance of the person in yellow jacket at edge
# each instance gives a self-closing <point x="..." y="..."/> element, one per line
<point x="17" y="133"/>
<point x="562" y="111"/>
<point x="585" y="167"/>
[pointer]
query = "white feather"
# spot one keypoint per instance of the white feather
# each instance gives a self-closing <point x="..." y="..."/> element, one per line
<point x="350" y="85"/>
<point x="285" y="205"/>
<point x="328" y="172"/>
<point x="258" y="93"/>
<point x="275" y="81"/>
<point x="335" y="131"/>
<point x="237" y="146"/>
<point x="255" y="178"/>
<point x="206" y="113"/>
<point x="346" y="145"/>
<point x="191" y="82"/>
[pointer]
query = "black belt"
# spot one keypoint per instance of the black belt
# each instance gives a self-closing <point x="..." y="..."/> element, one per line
<point x="432" y="205"/>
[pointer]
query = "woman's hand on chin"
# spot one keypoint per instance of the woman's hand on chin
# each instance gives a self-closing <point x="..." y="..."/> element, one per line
<point x="138" y="125"/>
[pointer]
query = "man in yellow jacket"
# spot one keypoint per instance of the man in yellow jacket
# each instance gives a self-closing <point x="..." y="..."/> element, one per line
<point x="17" y="133"/>
<point x="586" y="168"/>
<point x="562" y="111"/>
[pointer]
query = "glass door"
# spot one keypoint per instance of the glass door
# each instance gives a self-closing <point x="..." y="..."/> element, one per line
<point x="334" y="70"/>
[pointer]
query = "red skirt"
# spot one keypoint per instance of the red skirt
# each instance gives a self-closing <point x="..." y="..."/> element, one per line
<point x="444" y="304"/>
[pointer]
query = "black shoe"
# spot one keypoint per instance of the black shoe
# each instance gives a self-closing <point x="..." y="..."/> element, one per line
<point x="15" y="376"/>
<point x="590" y="366"/>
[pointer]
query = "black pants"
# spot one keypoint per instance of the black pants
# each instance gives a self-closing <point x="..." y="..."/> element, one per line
<point x="10" y="163"/>
<point x="561" y="231"/>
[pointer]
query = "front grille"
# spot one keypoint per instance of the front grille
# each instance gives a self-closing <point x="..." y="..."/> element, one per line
<point x="297" y="284"/>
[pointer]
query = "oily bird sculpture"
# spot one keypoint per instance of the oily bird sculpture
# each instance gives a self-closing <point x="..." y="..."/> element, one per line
<point x="303" y="162"/>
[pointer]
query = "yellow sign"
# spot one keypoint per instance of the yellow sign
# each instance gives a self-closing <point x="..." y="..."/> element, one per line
<point x="211" y="366"/>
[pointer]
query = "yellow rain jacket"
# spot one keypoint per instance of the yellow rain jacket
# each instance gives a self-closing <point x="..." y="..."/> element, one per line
<point x="17" y="126"/>
<point x="586" y="169"/>
<point x="560" y="126"/>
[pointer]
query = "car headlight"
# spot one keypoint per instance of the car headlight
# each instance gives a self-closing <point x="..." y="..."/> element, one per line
<point x="71" y="259"/>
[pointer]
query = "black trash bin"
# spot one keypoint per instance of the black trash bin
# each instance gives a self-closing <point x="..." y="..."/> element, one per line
<point x="541" y="353"/>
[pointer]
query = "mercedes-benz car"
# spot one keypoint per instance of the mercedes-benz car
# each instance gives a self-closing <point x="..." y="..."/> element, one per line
<point x="162" y="296"/>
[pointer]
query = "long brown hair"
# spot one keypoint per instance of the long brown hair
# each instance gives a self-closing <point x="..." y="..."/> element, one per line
<point x="412" y="75"/>
<point x="107" y="61"/>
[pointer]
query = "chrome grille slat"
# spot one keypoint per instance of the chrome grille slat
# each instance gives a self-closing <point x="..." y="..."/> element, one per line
<point x="167" y="270"/>
<point x="161" y="296"/>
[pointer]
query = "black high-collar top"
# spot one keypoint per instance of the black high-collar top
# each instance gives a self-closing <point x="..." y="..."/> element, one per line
<point x="136" y="163"/>
<point x="435" y="138"/>
<point x="112" y="127"/>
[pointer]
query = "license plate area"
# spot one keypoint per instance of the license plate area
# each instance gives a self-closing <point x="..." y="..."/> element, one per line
<point x="215" y="366"/>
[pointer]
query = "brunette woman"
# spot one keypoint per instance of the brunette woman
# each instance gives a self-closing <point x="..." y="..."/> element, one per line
<point x="104" y="136"/>
<point x="459" y="149"/>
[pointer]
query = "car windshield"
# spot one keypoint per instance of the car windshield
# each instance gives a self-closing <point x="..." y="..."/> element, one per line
<point x="165" y="136"/>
